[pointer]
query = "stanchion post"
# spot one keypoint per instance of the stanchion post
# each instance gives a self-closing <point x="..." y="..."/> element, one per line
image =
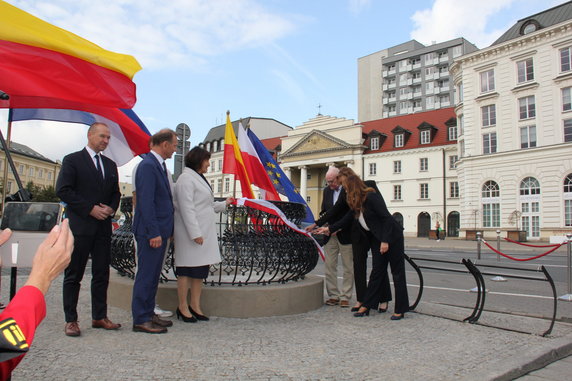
<point x="568" y="296"/>
<point x="479" y="245"/>
<point x="498" y="278"/>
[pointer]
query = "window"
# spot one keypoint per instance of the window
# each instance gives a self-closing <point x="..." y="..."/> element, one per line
<point x="457" y="50"/>
<point x="415" y="61"/>
<point x="416" y="104"/>
<point x="416" y="75"/>
<point x="423" y="164"/>
<point x="429" y="87"/>
<point x="490" y="143"/>
<point x="308" y="199"/>
<point x="391" y="67"/>
<point x="9" y="187"/>
<point x="487" y="81"/>
<point x="461" y="124"/>
<point x="525" y="71"/>
<point x="219" y="185"/>
<point x="403" y="63"/>
<point x="528" y="137"/>
<point x="391" y="108"/>
<point x="21" y="169"/>
<point x="568" y="130"/>
<point x="429" y="102"/>
<point x="453" y="159"/>
<point x="212" y="185"/>
<point x="529" y="186"/>
<point x="453" y="132"/>
<point x="568" y="200"/>
<point x="402" y="79"/>
<point x="489" y="115"/>
<point x="220" y="164"/>
<point x="454" y="189"/>
<point x="208" y="147"/>
<point x="526" y="107"/>
<point x="403" y="106"/>
<point x="399" y="139"/>
<point x="227" y="185"/>
<point x="212" y="166"/>
<point x="429" y="57"/>
<point x="566" y="99"/>
<point x="460" y="92"/>
<point x="40" y="173"/>
<point x="565" y="59"/>
<point x="49" y="176"/>
<point x="397" y="192"/>
<point x="424" y="191"/>
<point x="372" y="169"/>
<point x="425" y="137"/>
<point x="374" y="143"/>
<point x="491" y="204"/>
<point x="31" y="171"/>
<point x="397" y="166"/>
<point x="215" y="146"/>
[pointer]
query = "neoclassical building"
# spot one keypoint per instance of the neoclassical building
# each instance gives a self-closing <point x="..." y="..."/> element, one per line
<point x="514" y="112"/>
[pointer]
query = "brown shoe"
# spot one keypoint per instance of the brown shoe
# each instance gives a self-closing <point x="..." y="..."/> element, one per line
<point x="332" y="302"/>
<point x="344" y="304"/>
<point x="161" y="322"/>
<point x="72" y="329"/>
<point x="149" y="327"/>
<point x="105" y="323"/>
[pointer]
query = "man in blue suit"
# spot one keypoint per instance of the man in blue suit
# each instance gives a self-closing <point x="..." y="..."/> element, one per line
<point x="152" y="227"/>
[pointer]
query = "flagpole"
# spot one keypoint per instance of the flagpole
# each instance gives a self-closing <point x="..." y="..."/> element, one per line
<point x="5" y="176"/>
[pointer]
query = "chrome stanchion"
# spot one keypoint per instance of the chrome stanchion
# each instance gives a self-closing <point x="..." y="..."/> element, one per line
<point x="568" y="296"/>
<point x="498" y="278"/>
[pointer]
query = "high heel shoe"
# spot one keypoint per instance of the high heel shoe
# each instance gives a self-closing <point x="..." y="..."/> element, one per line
<point x="381" y="309"/>
<point x="198" y="316"/>
<point x="362" y="313"/>
<point x="356" y="308"/>
<point x="185" y="318"/>
<point x="397" y="316"/>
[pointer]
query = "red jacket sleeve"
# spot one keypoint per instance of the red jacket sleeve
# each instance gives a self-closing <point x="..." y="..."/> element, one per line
<point x="28" y="308"/>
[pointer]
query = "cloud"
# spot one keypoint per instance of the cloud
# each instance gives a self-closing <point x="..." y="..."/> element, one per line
<point x="357" y="6"/>
<point x="177" y="33"/>
<point x="447" y="20"/>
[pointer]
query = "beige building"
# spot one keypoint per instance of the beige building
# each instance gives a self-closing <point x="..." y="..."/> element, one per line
<point x="30" y="165"/>
<point x="514" y="110"/>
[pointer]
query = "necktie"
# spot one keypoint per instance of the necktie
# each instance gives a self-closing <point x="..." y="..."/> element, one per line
<point x="98" y="165"/>
<point x="167" y="178"/>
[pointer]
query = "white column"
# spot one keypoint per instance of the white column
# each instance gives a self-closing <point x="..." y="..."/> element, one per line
<point x="303" y="181"/>
<point x="288" y="172"/>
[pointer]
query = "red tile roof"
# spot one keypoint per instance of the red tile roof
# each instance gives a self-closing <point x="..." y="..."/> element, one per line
<point x="410" y="122"/>
<point x="272" y="143"/>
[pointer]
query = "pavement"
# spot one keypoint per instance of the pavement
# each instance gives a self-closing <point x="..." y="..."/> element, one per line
<point x="326" y="344"/>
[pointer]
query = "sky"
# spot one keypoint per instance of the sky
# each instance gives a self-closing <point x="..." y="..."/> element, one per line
<point x="275" y="59"/>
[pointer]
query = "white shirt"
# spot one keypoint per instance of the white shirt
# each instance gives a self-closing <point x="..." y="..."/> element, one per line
<point x="337" y="194"/>
<point x="362" y="222"/>
<point x="92" y="154"/>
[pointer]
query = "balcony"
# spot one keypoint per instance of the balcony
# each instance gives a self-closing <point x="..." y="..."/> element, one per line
<point x="417" y="80"/>
<point x="417" y="109"/>
<point x="444" y="59"/>
<point x="417" y="65"/>
<point x="417" y="94"/>
<point x="409" y="96"/>
<point x="385" y="100"/>
<point x="444" y="74"/>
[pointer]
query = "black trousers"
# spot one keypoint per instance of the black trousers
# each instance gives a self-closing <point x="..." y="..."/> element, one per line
<point x="378" y="277"/>
<point x="360" y="248"/>
<point x="99" y="246"/>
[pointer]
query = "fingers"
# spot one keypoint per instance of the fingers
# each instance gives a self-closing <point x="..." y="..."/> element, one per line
<point x="5" y="235"/>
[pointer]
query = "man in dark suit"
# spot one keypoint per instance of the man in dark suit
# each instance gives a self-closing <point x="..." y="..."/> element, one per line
<point x="152" y="226"/>
<point x="339" y="244"/>
<point x="88" y="183"/>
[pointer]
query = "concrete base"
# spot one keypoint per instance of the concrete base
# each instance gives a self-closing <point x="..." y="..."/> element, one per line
<point x="233" y="301"/>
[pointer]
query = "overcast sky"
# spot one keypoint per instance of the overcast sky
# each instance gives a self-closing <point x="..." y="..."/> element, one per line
<point x="272" y="59"/>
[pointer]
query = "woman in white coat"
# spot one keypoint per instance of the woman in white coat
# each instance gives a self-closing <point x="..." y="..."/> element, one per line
<point x="196" y="242"/>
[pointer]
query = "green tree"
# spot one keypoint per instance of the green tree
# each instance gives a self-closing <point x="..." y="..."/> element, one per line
<point x="42" y="193"/>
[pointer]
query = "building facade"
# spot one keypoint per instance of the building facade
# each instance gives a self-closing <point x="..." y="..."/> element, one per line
<point x="407" y="78"/>
<point x="514" y="111"/>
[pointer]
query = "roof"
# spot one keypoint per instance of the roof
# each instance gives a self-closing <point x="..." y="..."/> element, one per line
<point x="272" y="143"/>
<point x="547" y="18"/>
<point x="24" y="150"/>
<point x="419" y="51"/>
<point x="411" y="123"/>
<point x="217" y="133"/>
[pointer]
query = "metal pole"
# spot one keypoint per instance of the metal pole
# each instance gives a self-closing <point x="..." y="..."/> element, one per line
<point x="568" y="296"/>
<point x="479" y="245"/>
<point x="498" y="278"/>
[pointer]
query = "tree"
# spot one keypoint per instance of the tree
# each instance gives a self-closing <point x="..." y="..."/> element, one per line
<point x="42" y="193"/>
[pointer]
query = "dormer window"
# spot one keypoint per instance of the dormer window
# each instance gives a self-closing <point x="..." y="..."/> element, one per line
<point x="400" y="136"/>
<point x="529" y="27"/>
<point x="374" y="144"/>
<point x="426" y="133"/>
<point x="399" y="140"/>
<point x="425" y="137"/>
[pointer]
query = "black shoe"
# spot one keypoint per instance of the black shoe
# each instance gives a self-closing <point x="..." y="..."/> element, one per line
<point x="184" y="318"/>
<point x="382" y="310"/>
<point x="356" y="309"/>
<point x="397" y="316"/>
<point x="362" y="313"/>
<point x="198" y="315"/>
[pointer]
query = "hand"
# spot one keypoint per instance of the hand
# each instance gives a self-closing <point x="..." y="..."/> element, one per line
<point x="52" y="257"/>
<point x="199" y="240"/>
<point x="384" y="247"/>
<point x="324" y="231"/>
<point x="5" y="236"/>
<point x="155" y="242"/>
<point x="310" y="227"/>
<point x="230" y="200"/>
<point x="107" y="210"/>
<point x="99" y="213"/>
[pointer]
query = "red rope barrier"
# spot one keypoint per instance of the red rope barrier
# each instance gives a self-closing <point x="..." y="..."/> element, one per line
<point x="529" y="245"/>
<point x="522" y="259"/>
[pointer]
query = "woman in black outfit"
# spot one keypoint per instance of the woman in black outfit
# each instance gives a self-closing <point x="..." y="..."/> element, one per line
<point x="385" y="236"/>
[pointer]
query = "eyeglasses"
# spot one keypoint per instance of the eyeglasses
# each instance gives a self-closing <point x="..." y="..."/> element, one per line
<point x="330" y="181"/>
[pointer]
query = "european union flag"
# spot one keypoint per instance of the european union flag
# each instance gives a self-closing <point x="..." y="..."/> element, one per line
<point x="280" y="181"/>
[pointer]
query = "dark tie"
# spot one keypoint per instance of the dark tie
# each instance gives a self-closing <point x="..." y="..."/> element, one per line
<point x="166" y="176"/>
<point x="98" y="165"/>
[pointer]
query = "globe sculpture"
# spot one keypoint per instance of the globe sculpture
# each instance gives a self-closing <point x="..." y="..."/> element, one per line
<point x="256" y="247"/>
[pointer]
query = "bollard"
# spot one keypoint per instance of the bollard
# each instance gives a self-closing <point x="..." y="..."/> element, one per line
<point x="476" y="289"/>
<point x="498" y="278"/>
<point x="568" y="296"/>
